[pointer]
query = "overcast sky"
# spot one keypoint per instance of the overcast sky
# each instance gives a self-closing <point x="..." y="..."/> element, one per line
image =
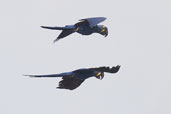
<point x="139" y="40"/>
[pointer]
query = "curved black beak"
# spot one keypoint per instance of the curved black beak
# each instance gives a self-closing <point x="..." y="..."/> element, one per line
<point x="104" y="32"/>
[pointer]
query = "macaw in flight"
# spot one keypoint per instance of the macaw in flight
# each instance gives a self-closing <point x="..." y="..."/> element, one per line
<point x="85" y="27"/>
<point x="72" y="80"/>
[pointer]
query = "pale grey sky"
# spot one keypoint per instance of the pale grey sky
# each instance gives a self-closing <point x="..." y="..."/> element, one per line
<point x="138" y="40"/>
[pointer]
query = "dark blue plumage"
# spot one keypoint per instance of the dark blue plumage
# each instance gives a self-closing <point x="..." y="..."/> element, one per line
<point x="72" y="80"/>
<point x="85" y="27"/>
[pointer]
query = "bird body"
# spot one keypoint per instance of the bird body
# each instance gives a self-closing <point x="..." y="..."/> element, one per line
<point x="72" y="80"/>
<point x="84" y="27"/>
<point x="83" y="74"/>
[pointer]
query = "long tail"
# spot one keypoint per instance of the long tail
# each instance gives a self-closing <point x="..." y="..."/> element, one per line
<point x="59" y="28"/>
<point x="52" y="75"/>
<point x="39" y="76"/>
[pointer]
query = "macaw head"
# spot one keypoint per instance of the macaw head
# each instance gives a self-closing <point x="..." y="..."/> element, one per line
<point x="99" y="75"/>
<point x="103" y="30"/>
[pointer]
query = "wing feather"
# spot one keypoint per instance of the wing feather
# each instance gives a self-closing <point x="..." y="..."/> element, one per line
<point x="70" y="83"/>
<point x="93" y="21"/>
<point x="114" y="69"/>
<point x="63" y="34"/>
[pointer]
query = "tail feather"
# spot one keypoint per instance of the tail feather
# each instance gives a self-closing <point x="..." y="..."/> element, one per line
<point x="58" y="28"/>
<point x="39" y="76"/>
<point x="52" y="75"/>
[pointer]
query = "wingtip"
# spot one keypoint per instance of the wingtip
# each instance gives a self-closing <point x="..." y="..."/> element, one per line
<point x="55" y="40"/>
<point x="118" y="68"/>
<point x="103" y="17"/>
<point x="92" y="17"/>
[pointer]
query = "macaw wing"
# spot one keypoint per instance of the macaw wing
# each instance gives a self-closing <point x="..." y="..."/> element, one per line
<point x="67" y="74"/>
<point x="93" y="21"/>
<point x="114" y="69"/>
<point x="68" y="27"/>
<point x="70" y="83"/>
<point x="64" y="33"/>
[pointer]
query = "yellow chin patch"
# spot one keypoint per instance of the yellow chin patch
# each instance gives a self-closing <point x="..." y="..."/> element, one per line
<point x="99" y="74"/>
<point x="103" y="29"/>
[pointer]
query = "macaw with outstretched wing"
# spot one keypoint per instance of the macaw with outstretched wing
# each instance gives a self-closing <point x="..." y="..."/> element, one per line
<point x="85" y="27"/>
<point x="72" y="80"/>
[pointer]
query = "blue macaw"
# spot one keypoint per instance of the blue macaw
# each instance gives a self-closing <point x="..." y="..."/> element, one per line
<point x="72" y="80"/>
<point x="85" y="27"/>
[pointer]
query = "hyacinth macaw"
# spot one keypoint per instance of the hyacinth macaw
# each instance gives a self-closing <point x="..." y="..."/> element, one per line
<point x="85" y="27"/>
<point x="72" y="80"/>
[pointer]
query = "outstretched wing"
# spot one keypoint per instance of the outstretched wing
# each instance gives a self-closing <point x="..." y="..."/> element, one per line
<point x="93" y="21"/>
<point x="114" y="69"/>
<point x="64" y="33"/>
<point x="68" y="80"/>
<point x="53" y="75"/>
<point x="67" y="30"/>
<point x="70" y="83"/>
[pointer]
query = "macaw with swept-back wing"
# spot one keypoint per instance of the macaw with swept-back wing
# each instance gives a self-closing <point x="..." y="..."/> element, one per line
<point x="85" y="27"/>
<point x="72" y="80"/>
